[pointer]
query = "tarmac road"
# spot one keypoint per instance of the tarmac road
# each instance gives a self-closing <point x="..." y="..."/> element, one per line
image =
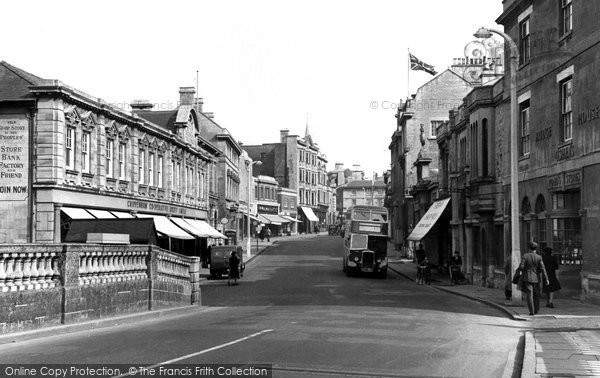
<point x="296" y="309"/>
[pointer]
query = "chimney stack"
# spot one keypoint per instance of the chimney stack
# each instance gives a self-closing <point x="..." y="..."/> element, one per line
<point x="137" y="105"/>
<point x="186" y="95"/>
<point x="284" y="134"/>
<point x="198" y="102"/>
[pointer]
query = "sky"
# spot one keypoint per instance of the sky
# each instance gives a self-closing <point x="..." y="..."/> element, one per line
<point x="262" y="66"/>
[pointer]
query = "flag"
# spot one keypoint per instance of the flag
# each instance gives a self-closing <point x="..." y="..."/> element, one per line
<point x="416" y="65"/>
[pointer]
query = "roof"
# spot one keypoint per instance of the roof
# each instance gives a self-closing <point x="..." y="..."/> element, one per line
<point x="162" y="118"/>
<point x="364" y="184"/>
<point x="16" y="82"/>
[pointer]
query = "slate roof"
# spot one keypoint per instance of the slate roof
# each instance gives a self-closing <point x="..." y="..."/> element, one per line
<point x="16" y="82"/>
<point x="163" y="118"/>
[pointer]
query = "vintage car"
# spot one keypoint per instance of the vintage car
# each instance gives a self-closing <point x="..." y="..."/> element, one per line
<point x="219" y="259"/>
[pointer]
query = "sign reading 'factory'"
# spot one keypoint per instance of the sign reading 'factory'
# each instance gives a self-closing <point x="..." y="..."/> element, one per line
<point x="14" y="158"/>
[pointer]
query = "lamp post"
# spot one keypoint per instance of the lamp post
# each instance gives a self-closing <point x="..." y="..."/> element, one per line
<point x="248" y="244"/>
<point x="514" y="162"/>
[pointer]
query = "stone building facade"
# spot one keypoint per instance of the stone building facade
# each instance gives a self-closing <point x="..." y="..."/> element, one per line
<point x="64" y="148"/>
<point x="298" y="164"/>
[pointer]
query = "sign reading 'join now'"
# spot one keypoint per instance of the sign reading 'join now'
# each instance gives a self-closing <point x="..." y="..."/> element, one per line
<point x="14" y="158"/>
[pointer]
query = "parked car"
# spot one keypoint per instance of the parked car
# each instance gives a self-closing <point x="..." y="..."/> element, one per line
<point x="219" y="260"/>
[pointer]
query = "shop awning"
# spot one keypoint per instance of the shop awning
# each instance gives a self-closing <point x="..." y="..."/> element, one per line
<point x="309" y="214"/>
<point x="206" y="228"/>
<point x="290" y="218"/>
<point x="272" y="219"/>
<point x="122" y="214"/>
<point x="141" y="231"/>
<point x="428" y="220"/>
<point x="190" y="227"/>
<point x="76" y="213"/>
<point x="253" y="217"/>
<point x="101" y="214"/>
<point x="166" y="227"/>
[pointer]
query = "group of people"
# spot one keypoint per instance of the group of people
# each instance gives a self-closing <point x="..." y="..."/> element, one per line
<point x="537" y="274"/>
<point x="424" y="265"/>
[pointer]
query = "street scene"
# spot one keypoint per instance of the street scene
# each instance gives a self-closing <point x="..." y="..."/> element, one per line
<point x="300" y="189"/>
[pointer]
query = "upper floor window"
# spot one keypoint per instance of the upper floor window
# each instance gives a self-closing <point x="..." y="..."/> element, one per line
<point x="566" y="19"/>
<point x="110" y="145"/>
<point x="141" y="165"/>
<point x="70" y="148"/>
<point x="122" y="155"/>
<point x="524" y="41"/>
<point x="86" y="139"/>
<point x="433" y="129"/>
<point x="151" y="169"/>
<point x="566" y="94"/>
<point x="159" y="172"/>
<point x="524" y="128"/>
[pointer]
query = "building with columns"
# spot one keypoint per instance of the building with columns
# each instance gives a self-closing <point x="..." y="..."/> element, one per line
<point x="69" y="155"/>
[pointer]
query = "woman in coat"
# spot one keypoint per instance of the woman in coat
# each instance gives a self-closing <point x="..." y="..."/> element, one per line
<point x="551" y="267"/>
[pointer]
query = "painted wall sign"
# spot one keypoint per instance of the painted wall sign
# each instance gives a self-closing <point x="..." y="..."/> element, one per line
<point x="543" y="134"/>
<point x="14" y="158"/>
<point x="555" y="182"/>
<point x="565" y="152"/>
<point x="573" y="179"/>
<point x="588" y="115"/>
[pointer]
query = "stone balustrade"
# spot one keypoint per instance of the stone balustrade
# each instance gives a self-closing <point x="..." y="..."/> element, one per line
<point x="50" y="284"/>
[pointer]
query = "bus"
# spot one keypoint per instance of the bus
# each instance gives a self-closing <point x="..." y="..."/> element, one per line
<point x="365" y="241"/>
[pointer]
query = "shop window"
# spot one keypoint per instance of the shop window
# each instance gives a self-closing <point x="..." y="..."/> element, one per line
<point x="566" y="227"/>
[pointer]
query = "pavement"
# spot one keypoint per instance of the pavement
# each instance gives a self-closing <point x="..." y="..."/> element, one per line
<point x="563" y="341"/>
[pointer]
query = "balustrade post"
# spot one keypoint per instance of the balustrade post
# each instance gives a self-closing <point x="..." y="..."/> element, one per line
<point x="195" y="280"/>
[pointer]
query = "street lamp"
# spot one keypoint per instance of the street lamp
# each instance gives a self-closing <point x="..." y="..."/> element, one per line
<point x="514" y="162"/>
<point x="248" y="244"/>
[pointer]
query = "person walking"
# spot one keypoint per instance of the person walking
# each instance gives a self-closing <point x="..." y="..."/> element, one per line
<point x="420" y="256"/>
<point x="531" y="268"/>
<point x="507" y="279"/>
<point x="551" y="267"/>
<point x="234" y="268"/>
<point x="268" y="232"/>
<point x="455" y="268"/>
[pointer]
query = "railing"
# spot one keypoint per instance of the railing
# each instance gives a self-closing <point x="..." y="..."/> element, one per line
<point x="172" y="268"/>
<point x="28" y="271"/>
<point x="102" y="266"/>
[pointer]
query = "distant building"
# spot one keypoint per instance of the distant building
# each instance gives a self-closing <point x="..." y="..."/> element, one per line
<point x="362" y="192"/>
<point x="298" y="164"/>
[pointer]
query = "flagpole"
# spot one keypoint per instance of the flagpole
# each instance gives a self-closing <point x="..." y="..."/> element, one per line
<point x="408" y="76"/>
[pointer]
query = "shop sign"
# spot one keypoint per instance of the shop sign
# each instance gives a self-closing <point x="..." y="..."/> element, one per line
<point x="555" y="182"/>
<point x="14" y="158"/>
<point x="155" y="207"/>
<point x="573" y="179"/>
<point x="264" y="209"/>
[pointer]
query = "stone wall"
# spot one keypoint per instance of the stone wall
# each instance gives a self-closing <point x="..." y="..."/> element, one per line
<point x="51" y="284"/>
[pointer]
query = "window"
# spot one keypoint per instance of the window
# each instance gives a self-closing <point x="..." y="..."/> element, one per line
<point x="434" y="126"/>
<point x="178" y="177"/>
<point x="85" y="152"/>
<point x="484" y="148"/>
<point x="525" y="41"/>
<point x="122" y="154"/>
<point x="141" y="165"/>
<point x="566" y="20"/>
<point x="70" y="148"/>
<point x="151" y="169"/>
<point x="566" y="94"/>
<point x="524" y="128"/>
<point x="110" y="144"/>
<point x="159" y="171"/>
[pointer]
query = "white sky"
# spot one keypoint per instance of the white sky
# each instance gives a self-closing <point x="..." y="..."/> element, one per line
<point x="263" y="65"/>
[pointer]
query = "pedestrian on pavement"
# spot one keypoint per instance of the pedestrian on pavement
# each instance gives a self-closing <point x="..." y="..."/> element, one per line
<point x="420" y="256"/>
<point x="234" y="268"/>
<point x="507" y="279"/>
<point x="455" y="268"/>
<point x="531" y="268"/>
<point x="268" y="233"/>
<point x="551" y="267"/>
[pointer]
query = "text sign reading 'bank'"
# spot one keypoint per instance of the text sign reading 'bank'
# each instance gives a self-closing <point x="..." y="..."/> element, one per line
<point x="14" y="158"/>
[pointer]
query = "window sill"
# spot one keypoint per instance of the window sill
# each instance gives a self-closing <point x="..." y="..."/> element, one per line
<point x="87" y="174"/>
<point x="565" y="38"/>
<point x="565" y="143"/>
<point x="523" y="65"/>
<point x="72" y="171"/>
<point x="524" y="157"/>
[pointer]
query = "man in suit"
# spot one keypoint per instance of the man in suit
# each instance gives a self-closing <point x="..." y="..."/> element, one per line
<point x="531" y="268"/>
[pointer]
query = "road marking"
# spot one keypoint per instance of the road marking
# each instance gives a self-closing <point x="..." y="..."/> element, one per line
<point x="198" y="353"/>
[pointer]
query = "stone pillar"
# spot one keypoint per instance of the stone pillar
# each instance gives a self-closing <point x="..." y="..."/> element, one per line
<point x="68" y="265"/>
<point x="152" y="264"/>
<point x="57" y="227"/>
<point x="195" y="280"/>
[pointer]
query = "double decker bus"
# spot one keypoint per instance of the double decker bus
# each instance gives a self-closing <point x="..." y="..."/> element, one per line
<point x="365" y="241"/>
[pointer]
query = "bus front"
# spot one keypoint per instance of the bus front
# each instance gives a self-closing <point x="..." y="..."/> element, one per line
<point x="366" y="242"/>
